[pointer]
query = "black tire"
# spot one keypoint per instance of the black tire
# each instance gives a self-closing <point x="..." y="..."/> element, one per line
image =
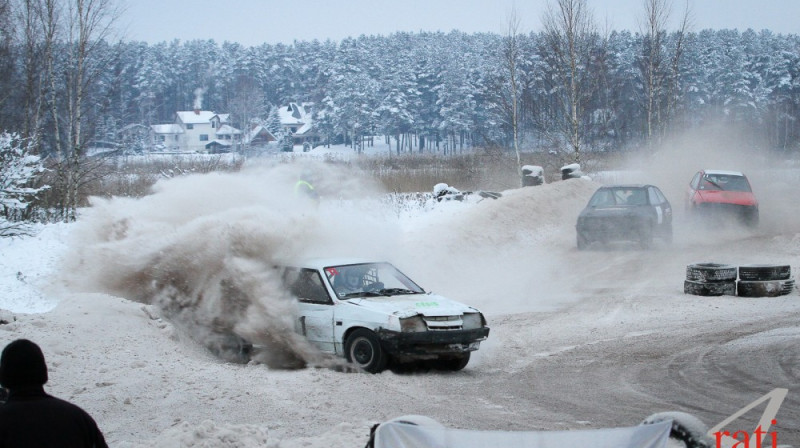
<point x="711" y="272"/>
<point x="709" y="289"/>
<point x="453" y="364"/>
<point x="766" y="288"/>
<point x="686" y="428"/>
<point x="762" y="272"/>
<point x="363" y="348"/>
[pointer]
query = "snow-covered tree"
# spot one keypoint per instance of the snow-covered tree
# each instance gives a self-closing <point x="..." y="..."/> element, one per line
<point x="425" y="90"/>
<point x="19" y="169"/>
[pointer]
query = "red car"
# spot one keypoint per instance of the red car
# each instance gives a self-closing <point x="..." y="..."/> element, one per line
<point x="720" y="193"/>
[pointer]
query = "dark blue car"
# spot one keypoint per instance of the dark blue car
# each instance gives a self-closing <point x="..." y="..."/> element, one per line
<point x="637" y="213"/>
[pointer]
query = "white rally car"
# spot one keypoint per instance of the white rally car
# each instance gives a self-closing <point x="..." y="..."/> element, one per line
<point x="372" y="314"/>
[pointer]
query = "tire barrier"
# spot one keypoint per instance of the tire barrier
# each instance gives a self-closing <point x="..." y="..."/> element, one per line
<point x="708" y="289"/>
<point x="764" y="288"/>
<point x="765" y="272"/>
<point x="571" y="171"/>
<point x="753" y="280"/>
<point x="710" y="279"/>
<point x="711" y="272"/>
<point x="532" y="175"/>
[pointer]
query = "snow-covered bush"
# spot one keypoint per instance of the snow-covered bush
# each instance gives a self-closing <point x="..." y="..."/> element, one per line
<point x="406" y="204"/>
<point x="19" y="169"/>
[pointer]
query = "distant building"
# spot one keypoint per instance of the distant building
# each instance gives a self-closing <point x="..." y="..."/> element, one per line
<point x="167" y="136"/>
<point x="258" y="135"/>
<point x="206" y="131"/>
<point x="196" y="131"/>
<point x="296" y="120"/>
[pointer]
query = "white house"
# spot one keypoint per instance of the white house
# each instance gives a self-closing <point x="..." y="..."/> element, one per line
<point x="197" y="131"/>
<point x="206" y="131"/>
<point x="166" y="136"/>
<point x="296" y="120"/>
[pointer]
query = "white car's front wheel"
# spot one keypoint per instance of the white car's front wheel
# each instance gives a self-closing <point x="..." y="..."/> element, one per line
<point x="363" y="349"/>
<point x="453" y="364"/>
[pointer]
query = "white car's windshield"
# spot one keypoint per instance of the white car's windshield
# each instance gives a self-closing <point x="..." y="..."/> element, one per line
<point x="369" y="279"/>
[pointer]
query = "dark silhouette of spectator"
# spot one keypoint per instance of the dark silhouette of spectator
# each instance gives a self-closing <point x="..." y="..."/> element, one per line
<point x="32" y="418"/>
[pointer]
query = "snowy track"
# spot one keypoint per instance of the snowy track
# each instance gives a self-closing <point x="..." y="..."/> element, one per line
<point x="709" y="369"/>
<point x="639" y="346"/>
<point x="579" y="339"/>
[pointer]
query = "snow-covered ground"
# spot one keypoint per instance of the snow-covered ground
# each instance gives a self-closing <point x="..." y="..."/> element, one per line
<point x="579" y="340"/>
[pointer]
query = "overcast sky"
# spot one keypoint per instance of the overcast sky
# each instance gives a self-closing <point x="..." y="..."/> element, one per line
<point x="253" y="22"/>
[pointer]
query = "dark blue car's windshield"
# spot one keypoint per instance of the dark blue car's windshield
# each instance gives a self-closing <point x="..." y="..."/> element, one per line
<point x="609" y="197"/>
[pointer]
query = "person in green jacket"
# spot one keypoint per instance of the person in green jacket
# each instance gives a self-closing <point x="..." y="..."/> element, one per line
<point x="304" y="188"/>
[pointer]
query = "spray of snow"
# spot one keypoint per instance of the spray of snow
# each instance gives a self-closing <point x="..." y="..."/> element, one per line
<point x="204" y="249"/>
<point x="509" y="244"/>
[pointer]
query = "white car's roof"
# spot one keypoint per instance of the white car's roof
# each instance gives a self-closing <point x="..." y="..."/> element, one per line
<point x="320" y="263"/>
<point x="724" y="172"/>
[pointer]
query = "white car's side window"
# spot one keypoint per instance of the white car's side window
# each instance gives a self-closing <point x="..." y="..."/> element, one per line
<point x="306" y="285"/>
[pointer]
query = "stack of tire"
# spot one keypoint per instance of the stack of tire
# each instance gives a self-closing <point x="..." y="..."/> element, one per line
<point x="754" y="280"/>
<point x="710" y="279"/>
<point x="532" y="175"/>
<point x="764" y="280"/>
<point x="571" y="171"/>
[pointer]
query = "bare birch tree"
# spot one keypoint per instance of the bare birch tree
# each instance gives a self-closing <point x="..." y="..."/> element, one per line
<point x="660" y="66"/>
<point x="568" y="34"/>
<point x="88" y="24"/>
<point x="673" y="81"/>
<point x="247" y="104"/>
<point x="50" y="17"/>
<point x="33" y="42"/>
<point x="511" y="56"/>
<point x="6" y="63"/>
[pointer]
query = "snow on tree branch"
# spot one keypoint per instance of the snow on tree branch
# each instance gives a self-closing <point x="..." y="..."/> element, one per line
<point x="19" y="168"/>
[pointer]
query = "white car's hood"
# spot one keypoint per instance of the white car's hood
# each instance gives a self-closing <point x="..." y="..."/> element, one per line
<point x="413" y="304"/>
